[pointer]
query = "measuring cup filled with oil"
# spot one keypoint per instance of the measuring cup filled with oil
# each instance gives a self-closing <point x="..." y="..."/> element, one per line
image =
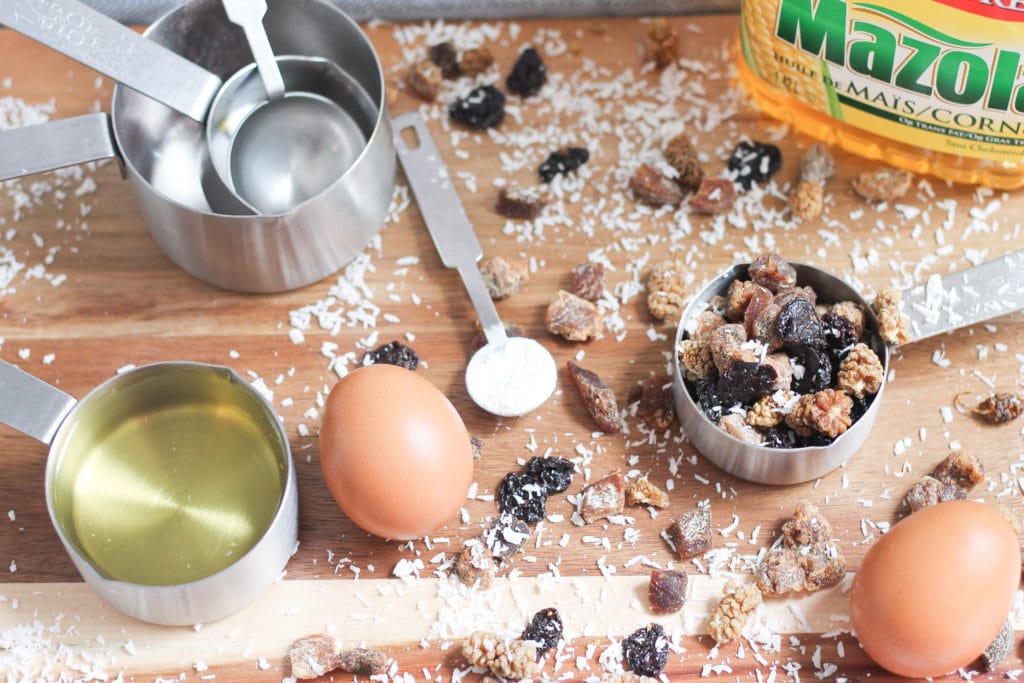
<point x="171" y="486"/>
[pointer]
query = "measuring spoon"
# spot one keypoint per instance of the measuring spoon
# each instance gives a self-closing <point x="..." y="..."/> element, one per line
<point x="509" y="376"/>
<point x="249" y="14"/>
<point x="943" y="304"/>
<point x="99" y="42"/>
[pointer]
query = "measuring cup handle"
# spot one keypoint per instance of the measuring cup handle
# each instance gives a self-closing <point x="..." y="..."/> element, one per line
<point x="48" y="146"/>
<point x="99" y="42"/>
<point x="30" y="405"/>
<point x="445" y="217"/>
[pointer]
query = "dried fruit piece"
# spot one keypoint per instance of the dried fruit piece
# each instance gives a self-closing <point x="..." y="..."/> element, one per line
<point x="930" y="491"/>
<point x="893" y="324"/>
<point x="727" y="346"/>
<point x="603" y="497"/>
<point x="808" y="559"/>
<point x="446" y="58"/>
<point x="812" y="370"/>
<point x="573" y="318"/>
<point x="743" y="383"/>
<point x="754" y="162"/>
<point x="883" y="184"/>
<point x="598" y="397"/>
<point x="523" y="203"/>
<point x="840" y="334"/>
<point x="643" y="492"/>
<point x="851" y="312"/>
<point x="733" y="611"/>
<point x="1000" y="647"/>
<point x="661" y="43"/>
<point x="667" y="591"/>
<point x="666" y="290"/>
<point x="646" y="650"/>
<point x="705" y="324"/>
<point x="783" y="369"/>
<point x="807" y="526"/>
<point x="691" y="533"/>
<point x="860" y="372"/>
<point x="563" y="160"/>
<point x="477" y="445"/>
<point x="772" y="272"/>
<point x="826" y="412"/>
<point x="504" y="276"/>
<point x="738" y="297"/>
<point x="652" y="187"/>
<point x="735" y="425"/>
<point x="528" y="74"/>
<point x="961" y="469"/>
<point x="588" y="281"/>
<point x="653" y="399"/>
<point x="523" y="496"/>
<point x="714" y="196"/>
<point x="476" y="61"/>
<point x="817" y="165"/>
<point x="555" y="473"/>
<point x="999" y="407"/>
<point x="312" y="656"/>
<point x="770" y="411"/>
<point x="393" y="353"/>
<point x="483" y="107"/>
<point x="696" y="360"/>
<point x="474" y="566"/>
<point x="808" y="200"/>
<point x="682" y="156"/>
<point x="424" y="80"/>
<point x="799" y="325"/>
<point x="506" y="535"/>
<point x="516" y="659"/>
<point x="544" y="629"/>
<point x="780" y="573"/>
<point x="626" y="677"/>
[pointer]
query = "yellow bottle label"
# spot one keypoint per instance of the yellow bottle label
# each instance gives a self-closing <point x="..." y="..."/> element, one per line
<point x="944" y="75"/>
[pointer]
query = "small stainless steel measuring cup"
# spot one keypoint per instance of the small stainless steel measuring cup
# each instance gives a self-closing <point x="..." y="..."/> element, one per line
<point x="171" y="486"/>
<point x="944" y="303"/>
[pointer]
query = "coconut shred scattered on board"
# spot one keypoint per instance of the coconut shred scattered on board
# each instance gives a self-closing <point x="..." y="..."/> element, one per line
<point x="622" y="117"/>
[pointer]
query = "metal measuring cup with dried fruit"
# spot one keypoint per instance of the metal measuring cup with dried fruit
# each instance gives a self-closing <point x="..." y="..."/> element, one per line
<point x="779" y="367"/>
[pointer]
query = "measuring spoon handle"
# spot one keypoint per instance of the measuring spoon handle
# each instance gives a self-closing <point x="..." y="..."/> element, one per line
<point x="445" y="217"/>
<point x="30" y="405"/>
<point x="956" y="300"/>
<point x="99" y="42"/>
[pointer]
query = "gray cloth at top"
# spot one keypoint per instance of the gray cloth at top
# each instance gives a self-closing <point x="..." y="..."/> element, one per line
<point x="145" y="11"/>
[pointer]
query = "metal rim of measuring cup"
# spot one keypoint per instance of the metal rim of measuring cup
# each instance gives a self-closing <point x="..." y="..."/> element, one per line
<point x="756" y="463"/>
<point x="251" y="253"/>
<point x="216" y="595"/>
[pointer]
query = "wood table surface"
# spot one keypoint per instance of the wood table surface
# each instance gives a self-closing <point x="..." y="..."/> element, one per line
<point x="84" y="291"/>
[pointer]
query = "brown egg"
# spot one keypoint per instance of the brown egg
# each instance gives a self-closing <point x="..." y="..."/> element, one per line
<point x="932" y="593"/>
<point x="394" y="452"/>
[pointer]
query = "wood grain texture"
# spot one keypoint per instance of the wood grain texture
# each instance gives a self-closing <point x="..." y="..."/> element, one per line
<point x="124" y="303"/>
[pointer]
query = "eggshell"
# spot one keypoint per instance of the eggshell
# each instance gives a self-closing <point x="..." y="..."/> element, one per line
<point x="395" y="454"/>
<point x="933" y="592"/>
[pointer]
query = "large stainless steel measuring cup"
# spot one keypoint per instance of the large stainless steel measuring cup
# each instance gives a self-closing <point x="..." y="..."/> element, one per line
<point x="956" y="300"/>
<point x="163" y="154"/>
<point x="171" y="486"/>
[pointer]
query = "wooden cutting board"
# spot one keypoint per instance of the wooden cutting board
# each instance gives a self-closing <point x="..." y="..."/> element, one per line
<point x="85" y="291"/>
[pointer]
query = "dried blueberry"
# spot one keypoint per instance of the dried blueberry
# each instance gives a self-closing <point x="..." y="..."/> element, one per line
<point x="646" y="650"/>
<point x="799" y="325"/>
<point x="564" y="160"/>
<point x="754" y="162"/>
<point x="483" y="107"/>
<point x="393" y="353"/>
<point x="840" y="334"/>
<point x="554" y="473"/>
<point x="812" y="371"/>
<point x="545" y="629"/>
<point x="744" y="383"/>
<point x="779" y="437"/>
<point x="705" y="393"/>
<point x="528" y="74"/>
<point x="523" y="496"/>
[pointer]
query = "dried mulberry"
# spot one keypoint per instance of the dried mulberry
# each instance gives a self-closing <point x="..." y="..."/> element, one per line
<point x="516" y="659"/>
<point x="733" y="611"/>
<point x="860" y="372"/>
<point x="666" y="290"/>
<point x="807" y="200"/>
<point x="826" y="412"/>
<point x="696" y="361"/>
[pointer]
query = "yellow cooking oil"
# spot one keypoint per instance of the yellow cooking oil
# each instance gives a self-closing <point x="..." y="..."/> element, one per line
<point x="932" y="86"/>
<point x="170" y="479"/>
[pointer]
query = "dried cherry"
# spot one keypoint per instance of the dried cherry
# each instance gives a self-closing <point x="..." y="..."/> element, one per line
<point x="393" y="353"/>
<point x="779" y="437"/>
<point x="555" y="473"/>
<point x="753" y="162"/>
<point x="483" y="107"/>
<point x="817" y="370"/>
<point x="705" y="393"/>
<point x="646" y="650"/>
<point x="744" y="383"/>
<point x="840" y="334"/>
<point x="544" y="629"/>
<point x="528" y="74"/>
<point x="564" y="160"/>
<point x="524" y="496"/>
<point x="799" y="325"/>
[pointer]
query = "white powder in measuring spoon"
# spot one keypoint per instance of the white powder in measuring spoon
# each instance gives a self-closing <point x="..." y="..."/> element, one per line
<point x="512" y="378"/>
